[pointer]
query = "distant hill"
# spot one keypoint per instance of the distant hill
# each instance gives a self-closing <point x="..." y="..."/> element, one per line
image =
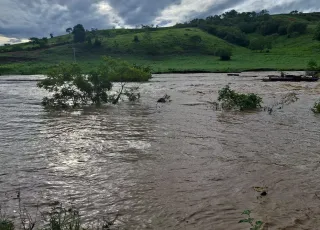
<point x="257" y="41"/>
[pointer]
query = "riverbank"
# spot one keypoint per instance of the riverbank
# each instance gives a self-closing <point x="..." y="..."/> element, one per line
<point x="246" y="62"/>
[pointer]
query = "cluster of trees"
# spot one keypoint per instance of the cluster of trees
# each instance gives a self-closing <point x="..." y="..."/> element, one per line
<point x="260" y="44"/>
<point x="234" y="26"/>
<point x="80" y="35"/>
<point x="41" y="42"/>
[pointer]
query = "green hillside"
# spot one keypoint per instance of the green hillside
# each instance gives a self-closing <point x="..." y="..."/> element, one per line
<point x="192" y="46"/>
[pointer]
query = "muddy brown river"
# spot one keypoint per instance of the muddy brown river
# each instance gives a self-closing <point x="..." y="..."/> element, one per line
<point x="179" y="165"/>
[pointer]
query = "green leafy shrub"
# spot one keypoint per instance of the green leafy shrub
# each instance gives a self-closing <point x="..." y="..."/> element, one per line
<point x="312" y="68"/>
<point x="224" y="54"/>
<point x="232" y="100"/>
<point x="255" y="225"/>
<point x="195" y="39"/>
<point x="260" y="44"/>
<point x="297" y="27"/>
<point x="282" y="30"/>
<point x="269" y="27"/>
<point x="6" y="224"/>
<point x="316" y="107"/>
<point x="317" y="33"/>
<point x="136" y="38"/>
<point x="63" y="219"/>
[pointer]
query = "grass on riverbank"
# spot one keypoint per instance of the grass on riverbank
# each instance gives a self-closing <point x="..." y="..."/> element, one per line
<point x="187" y="63"/>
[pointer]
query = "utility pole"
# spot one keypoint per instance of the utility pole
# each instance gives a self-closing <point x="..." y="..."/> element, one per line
<point x="74" y="54"/>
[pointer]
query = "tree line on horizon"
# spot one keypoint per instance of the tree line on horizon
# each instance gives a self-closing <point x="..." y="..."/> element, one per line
<point x="234" y="27"/>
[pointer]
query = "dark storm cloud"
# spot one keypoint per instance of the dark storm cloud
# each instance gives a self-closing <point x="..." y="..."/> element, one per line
<point x="40" y="17"/>
<point x="136" y="12"/>
<point x="26" y="18"/>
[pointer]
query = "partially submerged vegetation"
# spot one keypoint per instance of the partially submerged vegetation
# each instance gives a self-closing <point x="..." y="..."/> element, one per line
<point x="58" y="218"/>
<point x="316" y="107"/>
<point x="230" y="99"/>
<point x="70" y="88"/>
<point x="254" y="224"/>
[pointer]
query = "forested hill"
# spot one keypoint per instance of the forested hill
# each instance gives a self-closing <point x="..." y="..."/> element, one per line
<point x="245" y="41"/>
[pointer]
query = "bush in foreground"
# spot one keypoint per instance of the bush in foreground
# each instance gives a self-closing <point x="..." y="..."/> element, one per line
<point x="233" y="100"/>
<point x="58" y="218"/>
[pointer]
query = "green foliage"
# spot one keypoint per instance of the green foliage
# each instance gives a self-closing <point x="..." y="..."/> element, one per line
<point x="297" y="27"/>
<point x="71" y="88"/>
<point x="317" y="33"/>
<point x="224" y="54"/>
<point x="136" y="38"/>
<point x="282" y="30"/>
<point x="195" y="39"/>
<point x="58" y="218"/>
<point x="255" y="225"/>
<point x="63" y="219"/>
<point x="6" y="224"/>
<point x="312" y="65"/>
<point x="232" y="100"/>
<point x="97" y="42"/>
<point x="312" y="68"/>
<point x="79" y="33"/>
<point x="316" y="107"/>
<point x="69" y="30"/>
<point x="256" y="44"/>
<point x="269" y="27"/>
<point x="248" y="27"/>
<point x="34" y="40"/>
<point x="131" y="94"/>
<point x="231" y="35"/>
<point x="260" y="44"/>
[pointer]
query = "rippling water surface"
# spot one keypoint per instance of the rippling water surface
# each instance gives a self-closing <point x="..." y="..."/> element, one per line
<point x="179" y="165"/>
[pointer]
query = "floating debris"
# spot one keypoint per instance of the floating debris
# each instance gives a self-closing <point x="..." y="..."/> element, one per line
<point x="164" y="99"/>
<point x="233" y="74"/>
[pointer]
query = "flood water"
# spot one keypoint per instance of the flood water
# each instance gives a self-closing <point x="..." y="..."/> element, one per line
<point x="179" y="165"/>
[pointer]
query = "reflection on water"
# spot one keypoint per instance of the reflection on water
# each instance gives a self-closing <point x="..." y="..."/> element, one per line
<point x="171" y="166"/>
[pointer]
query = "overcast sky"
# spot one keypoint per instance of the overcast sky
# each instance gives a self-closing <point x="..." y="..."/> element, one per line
<point x="21" y="19"/>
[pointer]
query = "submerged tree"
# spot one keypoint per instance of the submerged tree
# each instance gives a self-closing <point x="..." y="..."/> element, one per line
<point x="232" y="100"/>
<point x="316" y="107"/>
<point x="69" y="87"/>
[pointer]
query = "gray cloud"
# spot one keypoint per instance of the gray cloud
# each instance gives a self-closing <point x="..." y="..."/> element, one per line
<point x="27" y="18"/>
<point x="136" y="12"/>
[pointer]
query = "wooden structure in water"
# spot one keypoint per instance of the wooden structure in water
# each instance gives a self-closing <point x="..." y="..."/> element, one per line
<point x="292" y="78"/>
